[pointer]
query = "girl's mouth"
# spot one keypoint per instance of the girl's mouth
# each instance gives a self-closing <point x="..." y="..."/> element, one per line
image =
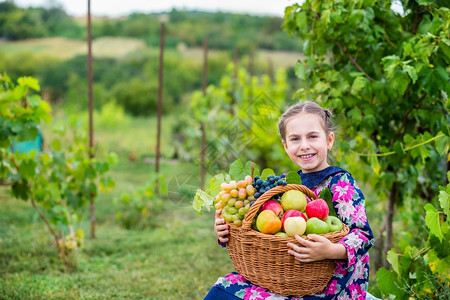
<point x="306" y="156"/>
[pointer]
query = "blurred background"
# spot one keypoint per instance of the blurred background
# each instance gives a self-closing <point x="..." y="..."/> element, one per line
<point x="230" y="68"/>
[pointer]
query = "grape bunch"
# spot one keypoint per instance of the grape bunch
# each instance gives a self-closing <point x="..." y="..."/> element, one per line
<point x="271" y="181"/>
<point x="235" y="197"/>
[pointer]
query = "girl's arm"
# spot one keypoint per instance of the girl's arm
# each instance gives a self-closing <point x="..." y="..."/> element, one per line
<point x="349" y="203"/>
<point x="317" y="248"/>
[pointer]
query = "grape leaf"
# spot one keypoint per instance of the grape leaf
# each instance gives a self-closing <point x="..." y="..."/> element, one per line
<point x="266" y="172"/>
<point x="432" y="221"/>
<point x="21" y="190"/>
<point x="293" y="177"/>
<point x="392" y="258"/>
<point x="398" y="148"/>
<point x="388" y="283"/>
<point x="444" y="199"/>
<point x="300" y="70"/>
<point x="236" y="170"/>
<point x="202" y="200"/>
<point x="214" y="185"/>
<point x="326" y="195"/>
<point x="438" y="265"/>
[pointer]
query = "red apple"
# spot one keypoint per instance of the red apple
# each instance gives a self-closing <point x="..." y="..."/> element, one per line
<point x="291" y="213"/>
<point x="273" y="206"/>
<point x="317" y="209"/>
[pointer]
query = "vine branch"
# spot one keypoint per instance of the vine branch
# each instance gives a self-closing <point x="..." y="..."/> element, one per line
<point x="406" y="149"/>
<point x="50" y="228"/>
<point x="354" y="63"/>
<point x="405" y="117"/>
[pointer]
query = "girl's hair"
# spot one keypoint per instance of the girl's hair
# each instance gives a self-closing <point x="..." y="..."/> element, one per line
<point x="306" y="107"/>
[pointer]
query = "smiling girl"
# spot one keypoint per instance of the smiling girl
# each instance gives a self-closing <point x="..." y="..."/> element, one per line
<point x="307" y="135"/>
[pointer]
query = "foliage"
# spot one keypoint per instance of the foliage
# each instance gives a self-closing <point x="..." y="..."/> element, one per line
<point x="422" y="272"/>
<point x="224" y="30"/>
<point x="239" y="118"/>
<point x="58" y="183"/>
<point x="385" y="74"/>
<point x="17" y="23"/>
<point x="139" y="206"/>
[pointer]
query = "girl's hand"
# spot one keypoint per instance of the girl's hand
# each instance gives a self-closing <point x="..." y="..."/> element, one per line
<point x="221" y="227"/>
<point x="317" y="248"/>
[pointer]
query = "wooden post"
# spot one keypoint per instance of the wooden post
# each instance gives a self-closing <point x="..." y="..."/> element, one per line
<point x="160" y="91"/>
<point x="202" y="124"/>
<point x="91" y="107"/>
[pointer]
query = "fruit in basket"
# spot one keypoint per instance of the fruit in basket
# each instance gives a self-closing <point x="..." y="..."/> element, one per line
<point x="317" y="209"/>
<point x="262" y="186"/>
<point x="293" y="199"/>
<point x="268" y="222"/>
<point x="273" y="206"/>
<point x="334" y="224"/>
<point x="281" y="233"/>
<point x="316" y="226"/>
<point x="294" y="225"/>
<point x="234" y="197"/>
<point x="291" y="213"/>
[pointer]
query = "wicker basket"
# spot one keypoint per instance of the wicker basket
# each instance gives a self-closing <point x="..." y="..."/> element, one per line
<point x="263" y="259"/>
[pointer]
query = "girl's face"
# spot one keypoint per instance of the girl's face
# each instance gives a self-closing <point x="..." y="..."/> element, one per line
<point x="307" y="143"/>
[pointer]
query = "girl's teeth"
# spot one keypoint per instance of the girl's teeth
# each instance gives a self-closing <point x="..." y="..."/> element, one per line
<point x="306" y="156"/>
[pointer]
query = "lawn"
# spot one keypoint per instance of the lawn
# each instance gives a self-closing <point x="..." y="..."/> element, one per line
<point x="176" y="257"/>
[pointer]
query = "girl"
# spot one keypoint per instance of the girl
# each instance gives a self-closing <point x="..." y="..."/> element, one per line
<point x="307" y="136"/>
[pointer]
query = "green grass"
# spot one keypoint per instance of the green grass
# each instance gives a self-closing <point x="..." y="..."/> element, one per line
<point x="177" y="258"/>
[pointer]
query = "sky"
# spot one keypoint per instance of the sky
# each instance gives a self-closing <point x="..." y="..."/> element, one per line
<point x="116" y="8"/>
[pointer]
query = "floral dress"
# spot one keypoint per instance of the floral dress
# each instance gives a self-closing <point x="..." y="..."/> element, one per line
<point x="351" y="277"/>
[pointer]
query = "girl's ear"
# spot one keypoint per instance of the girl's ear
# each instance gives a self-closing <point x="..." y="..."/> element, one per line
<point x="284" y="144"/>
<point x="330" y="141"/>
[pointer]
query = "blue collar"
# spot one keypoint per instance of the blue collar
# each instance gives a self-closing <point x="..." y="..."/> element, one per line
<point x="313" y="179"/>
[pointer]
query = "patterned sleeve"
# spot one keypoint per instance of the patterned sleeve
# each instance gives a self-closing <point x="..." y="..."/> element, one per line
<point x="349" y="203"/>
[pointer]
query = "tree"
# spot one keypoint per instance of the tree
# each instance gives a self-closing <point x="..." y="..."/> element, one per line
<point x="385" y="74"/>
<point x="58" y="182"/>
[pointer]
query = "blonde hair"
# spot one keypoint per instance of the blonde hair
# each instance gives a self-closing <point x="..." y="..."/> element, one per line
<point x="306" y="107"/>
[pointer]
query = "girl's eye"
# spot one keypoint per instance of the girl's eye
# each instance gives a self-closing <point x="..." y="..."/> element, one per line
<point x="294" y="139"/>
<point x="312" y="136"/>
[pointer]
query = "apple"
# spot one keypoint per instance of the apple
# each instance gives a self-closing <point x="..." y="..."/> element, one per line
<point x="281" y="233"/>
<point x="316" y="225"/>
<point x="295" y="225"/>
<point x="291" y="213"/>
<point x="334" y="224"/>
<point x="268" y="222"/>
<point x="317" y="209"/>
<point x="293" y="199"/>
<point x="273" y="206"/>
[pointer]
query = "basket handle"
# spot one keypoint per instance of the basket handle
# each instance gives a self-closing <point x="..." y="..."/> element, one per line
<point x="247" y="223"/>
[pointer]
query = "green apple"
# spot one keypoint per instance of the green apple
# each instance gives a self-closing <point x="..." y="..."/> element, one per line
<point x="316" y="225"/>
<point x="293" y="199"/>
<point x="294" y="225"/>
<point x="334" y="224"/>
<point x="281" y="233"/>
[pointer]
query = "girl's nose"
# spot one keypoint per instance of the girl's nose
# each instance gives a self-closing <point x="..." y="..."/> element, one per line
<point x="304" y="145"/>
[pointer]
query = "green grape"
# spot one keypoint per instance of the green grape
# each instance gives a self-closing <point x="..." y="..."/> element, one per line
<point x="232" y="210"/>
<point x="232" y="201"/>
<point x="242" y="211"/>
